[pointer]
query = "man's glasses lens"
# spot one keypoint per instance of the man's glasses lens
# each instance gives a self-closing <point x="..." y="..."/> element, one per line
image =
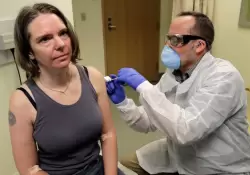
<point x="174" y="40"/>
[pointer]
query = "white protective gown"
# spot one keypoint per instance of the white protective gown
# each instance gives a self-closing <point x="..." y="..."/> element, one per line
<point x="203" y="118"/>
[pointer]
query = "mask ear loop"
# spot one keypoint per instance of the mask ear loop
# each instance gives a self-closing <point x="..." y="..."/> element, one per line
<point x="199" y="43"/>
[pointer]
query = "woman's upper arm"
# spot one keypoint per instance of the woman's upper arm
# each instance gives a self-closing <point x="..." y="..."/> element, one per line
<point x="21" y="132"/>
<point x="97" y="80"/>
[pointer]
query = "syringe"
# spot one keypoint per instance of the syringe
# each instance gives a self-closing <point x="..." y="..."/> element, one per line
<point x="108" y="79"/>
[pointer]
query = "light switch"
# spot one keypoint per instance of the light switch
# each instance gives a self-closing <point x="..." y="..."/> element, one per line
<point x="83" y="16"/>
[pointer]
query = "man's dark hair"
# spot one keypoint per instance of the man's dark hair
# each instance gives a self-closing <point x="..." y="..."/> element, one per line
<point x="203" y="26"/>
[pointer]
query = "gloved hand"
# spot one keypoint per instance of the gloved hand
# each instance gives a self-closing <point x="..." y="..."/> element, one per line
<point x="115" y="90"/>
<point x="130" y="77"/>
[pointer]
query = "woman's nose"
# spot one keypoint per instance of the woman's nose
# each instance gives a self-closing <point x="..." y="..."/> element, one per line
<point x="59" y="44"/>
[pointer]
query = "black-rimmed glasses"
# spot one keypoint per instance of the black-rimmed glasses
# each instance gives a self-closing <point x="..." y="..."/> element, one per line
<point x="179" y="40"/>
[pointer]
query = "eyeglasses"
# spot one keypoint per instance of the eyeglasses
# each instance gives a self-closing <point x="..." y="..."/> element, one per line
<point x="178" y="40"/>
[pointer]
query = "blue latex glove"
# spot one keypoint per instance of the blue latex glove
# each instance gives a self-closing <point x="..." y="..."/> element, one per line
<point x="130" y="77"/>
<point x="115" y="90"/>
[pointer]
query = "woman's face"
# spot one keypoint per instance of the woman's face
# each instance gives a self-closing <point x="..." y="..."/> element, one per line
<point x="50" y="42"/>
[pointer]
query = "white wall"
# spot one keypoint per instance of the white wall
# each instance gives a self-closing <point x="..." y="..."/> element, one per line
<point x="90" y="32"/>
<point x="10" y="8"/>
<point x="231" y="41"/>
<point x="9" y="79"/>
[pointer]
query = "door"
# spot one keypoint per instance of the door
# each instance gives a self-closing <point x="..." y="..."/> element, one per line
<point x="131" y="36"/>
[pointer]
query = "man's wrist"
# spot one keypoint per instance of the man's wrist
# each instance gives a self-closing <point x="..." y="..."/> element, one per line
<point x="123" y="103"/>
<point x="144" y="86"/>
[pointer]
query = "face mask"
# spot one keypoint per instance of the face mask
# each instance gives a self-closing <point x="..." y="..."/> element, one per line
<point x="170" y="58"/>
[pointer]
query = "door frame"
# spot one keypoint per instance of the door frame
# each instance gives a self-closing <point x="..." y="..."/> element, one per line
<point x="104" y="37"/>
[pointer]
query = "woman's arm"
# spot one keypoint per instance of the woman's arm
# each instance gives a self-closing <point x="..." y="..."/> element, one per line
<point x="21" y="113"/>
<point x="109" y="143"/>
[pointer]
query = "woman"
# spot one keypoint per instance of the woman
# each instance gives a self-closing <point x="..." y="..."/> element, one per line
<point x="61" y="112"/>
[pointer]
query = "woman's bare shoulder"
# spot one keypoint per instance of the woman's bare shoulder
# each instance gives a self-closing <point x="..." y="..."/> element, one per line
<point x="20" y="106"/>
<point x="97" y="79"/>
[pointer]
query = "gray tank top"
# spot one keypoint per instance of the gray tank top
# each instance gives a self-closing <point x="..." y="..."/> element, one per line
<point x="67" y="135"/>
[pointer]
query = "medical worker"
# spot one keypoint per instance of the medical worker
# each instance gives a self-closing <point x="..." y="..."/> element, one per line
<point x="199" y="104"/>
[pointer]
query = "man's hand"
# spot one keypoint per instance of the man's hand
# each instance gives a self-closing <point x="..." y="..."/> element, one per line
<point x="130" y="77"/>
<point x="115" y="90"/>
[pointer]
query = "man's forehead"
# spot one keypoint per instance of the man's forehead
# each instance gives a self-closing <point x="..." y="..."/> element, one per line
<point x="181" y="25"/>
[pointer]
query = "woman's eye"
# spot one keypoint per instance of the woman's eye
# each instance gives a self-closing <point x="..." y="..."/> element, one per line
<point x="45" y="39"/>
<point x="64" y="33"/>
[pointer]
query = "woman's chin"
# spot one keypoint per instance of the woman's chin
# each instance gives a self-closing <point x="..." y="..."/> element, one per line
<point x="61" y="64"/>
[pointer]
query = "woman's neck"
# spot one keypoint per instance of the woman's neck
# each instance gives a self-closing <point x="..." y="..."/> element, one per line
<point x="55" y="78"/>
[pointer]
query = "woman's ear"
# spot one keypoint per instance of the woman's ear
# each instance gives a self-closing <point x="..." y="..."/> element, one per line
<point x="31" y="56"/>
